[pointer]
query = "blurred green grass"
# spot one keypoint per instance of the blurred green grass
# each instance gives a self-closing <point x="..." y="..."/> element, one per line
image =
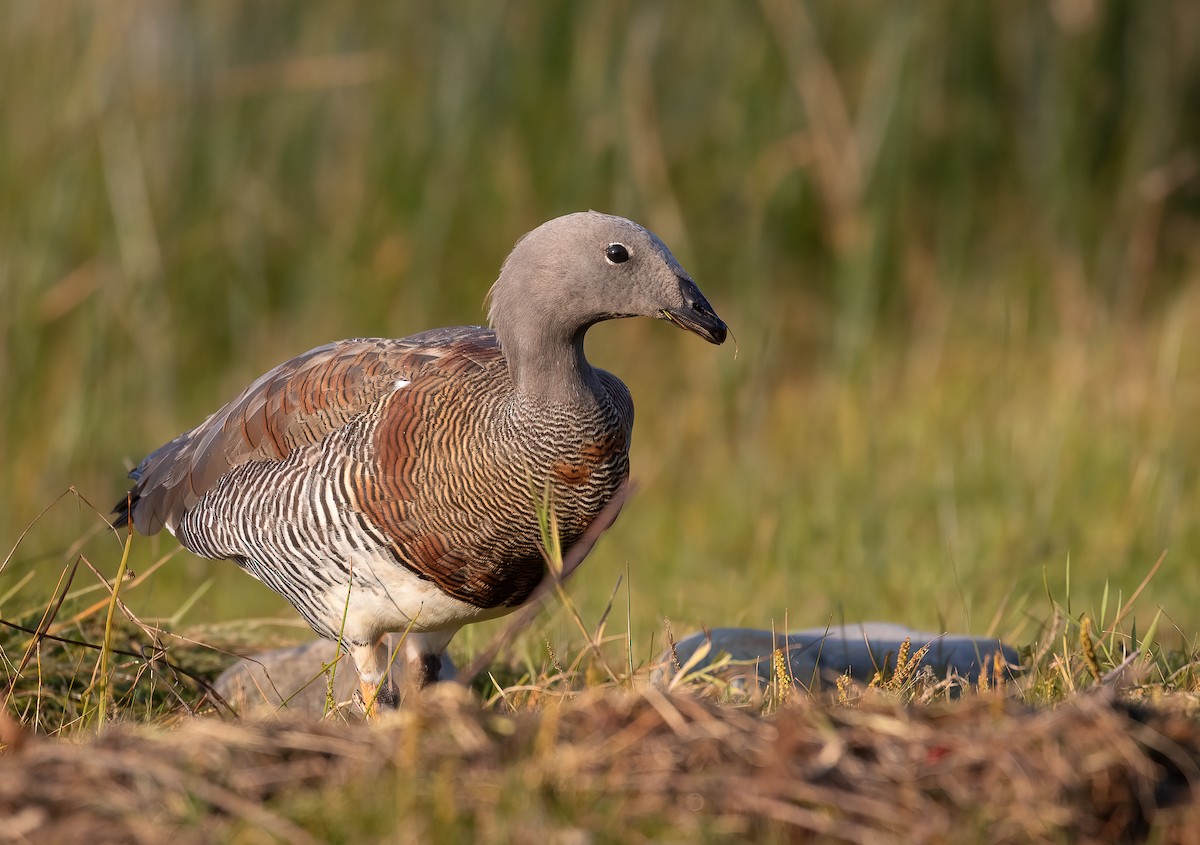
<point x="957" y="244"/>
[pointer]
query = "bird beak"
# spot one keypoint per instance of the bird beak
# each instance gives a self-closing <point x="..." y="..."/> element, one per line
<point x="696" y="315"/>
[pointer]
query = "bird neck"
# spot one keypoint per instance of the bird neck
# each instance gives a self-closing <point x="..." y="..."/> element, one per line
<point x="549" y="367"/>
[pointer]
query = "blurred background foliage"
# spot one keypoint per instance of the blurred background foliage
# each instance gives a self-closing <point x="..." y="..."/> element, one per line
<point x="957" y="243"/>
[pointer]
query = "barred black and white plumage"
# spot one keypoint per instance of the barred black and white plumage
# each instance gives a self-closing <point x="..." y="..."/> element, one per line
<point x="391" y="484"/>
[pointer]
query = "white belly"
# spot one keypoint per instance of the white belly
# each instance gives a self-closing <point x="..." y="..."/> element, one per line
<point x="385" y="596"/>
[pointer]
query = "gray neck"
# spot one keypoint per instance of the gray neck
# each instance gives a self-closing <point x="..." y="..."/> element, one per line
<point x="549" y="367"/>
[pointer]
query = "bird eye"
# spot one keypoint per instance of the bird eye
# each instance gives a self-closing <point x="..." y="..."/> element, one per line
<point x="616" y="253"/>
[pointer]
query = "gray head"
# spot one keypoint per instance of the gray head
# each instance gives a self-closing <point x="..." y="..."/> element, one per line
<point x="574" y="271"/>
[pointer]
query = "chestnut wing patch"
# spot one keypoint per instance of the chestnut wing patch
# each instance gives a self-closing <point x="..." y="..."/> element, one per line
<point x="424" y="446"/>
<point x="298" y="403"/>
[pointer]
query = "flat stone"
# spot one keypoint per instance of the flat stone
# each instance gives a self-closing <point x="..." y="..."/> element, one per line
<point x="291" y="681"/>
<point x="819" y="655"/>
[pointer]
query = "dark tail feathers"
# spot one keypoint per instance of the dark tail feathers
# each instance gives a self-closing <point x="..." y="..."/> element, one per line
<point x="123" y="510"/>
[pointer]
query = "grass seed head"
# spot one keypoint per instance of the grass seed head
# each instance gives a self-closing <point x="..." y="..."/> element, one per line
<point x="1089" y="648"/>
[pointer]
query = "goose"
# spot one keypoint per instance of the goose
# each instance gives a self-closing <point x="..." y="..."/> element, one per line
<point x="391" y="485"/>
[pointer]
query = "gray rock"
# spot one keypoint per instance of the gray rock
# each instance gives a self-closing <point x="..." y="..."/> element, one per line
<point x="290" y="681"/>
<point x="819" y="655"/>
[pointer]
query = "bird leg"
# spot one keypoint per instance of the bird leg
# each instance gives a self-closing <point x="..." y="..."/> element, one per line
<point x="423" y="658"/>
<point x="425" y="670"/>
<point x="422" y="662"/>
<point x="374" y="690"/>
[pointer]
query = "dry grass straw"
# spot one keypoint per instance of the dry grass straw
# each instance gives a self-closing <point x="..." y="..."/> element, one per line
<point x="560" y="753"/>
<point x="984" y="768"/>
<point x="101" y="660"/>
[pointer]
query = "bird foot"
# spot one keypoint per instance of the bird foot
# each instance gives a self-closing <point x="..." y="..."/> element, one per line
<point x="370" y="699"/>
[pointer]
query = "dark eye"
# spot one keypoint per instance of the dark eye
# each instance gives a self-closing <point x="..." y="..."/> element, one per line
<point x="616" y="253"/>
